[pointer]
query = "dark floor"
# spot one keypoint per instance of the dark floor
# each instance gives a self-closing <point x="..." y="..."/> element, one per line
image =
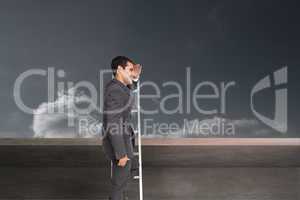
<point x="170" y="172"/>
<point x="160" y="183"/>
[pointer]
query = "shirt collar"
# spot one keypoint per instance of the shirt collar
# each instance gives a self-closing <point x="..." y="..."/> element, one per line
<point x="121" y="84"/>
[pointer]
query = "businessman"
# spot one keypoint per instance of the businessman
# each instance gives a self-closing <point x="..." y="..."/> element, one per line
<point x="118" y="135"/>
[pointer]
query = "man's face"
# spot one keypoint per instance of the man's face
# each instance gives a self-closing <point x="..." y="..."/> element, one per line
<point x="130" y="72"/>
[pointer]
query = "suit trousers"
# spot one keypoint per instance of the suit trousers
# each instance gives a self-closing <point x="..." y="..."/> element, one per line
<point x="121" y="176"/>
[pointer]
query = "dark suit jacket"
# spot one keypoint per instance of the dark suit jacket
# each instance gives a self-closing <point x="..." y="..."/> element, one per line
<point x="118" y="135"/>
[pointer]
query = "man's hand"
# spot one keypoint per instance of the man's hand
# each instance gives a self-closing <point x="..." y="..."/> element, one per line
<point x="122" y="162"/>
<point x="137" y="70"/>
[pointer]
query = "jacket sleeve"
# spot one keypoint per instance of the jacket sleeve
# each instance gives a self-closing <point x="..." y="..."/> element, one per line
<point x="133" y="86"/>
<point x="115" y="128"/>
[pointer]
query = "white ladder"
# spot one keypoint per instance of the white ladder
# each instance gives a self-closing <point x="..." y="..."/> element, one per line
<point x="137" y="133"/>
<point x="139" y="141"/>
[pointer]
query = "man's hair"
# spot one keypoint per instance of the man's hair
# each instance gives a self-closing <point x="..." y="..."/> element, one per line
<point x="119" y="61"/>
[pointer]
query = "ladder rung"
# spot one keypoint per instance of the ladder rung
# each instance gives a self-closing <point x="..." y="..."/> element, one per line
<point x="136" y="177"/>
<point x="134" y="110"/>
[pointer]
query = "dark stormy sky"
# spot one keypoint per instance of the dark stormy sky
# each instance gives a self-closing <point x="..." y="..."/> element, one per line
<point x="241" y="41"/>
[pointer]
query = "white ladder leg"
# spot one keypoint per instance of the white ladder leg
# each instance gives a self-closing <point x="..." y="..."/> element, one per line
<point x="139" y="142"/>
